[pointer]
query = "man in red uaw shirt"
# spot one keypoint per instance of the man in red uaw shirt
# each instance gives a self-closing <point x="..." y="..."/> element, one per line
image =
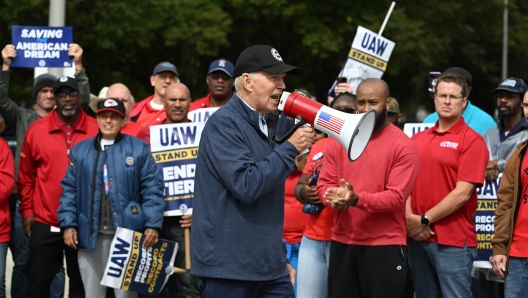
<point x="43" y="162"/>
<point x="440" y="211"/>
<point x="150" y="110"/>
<point x="368" y="255"/>
<point x="220" y="79"/>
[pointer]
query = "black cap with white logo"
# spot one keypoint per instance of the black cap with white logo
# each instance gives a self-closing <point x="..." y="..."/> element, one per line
<point x="113" y="105"/>
<point x="262" y="57"/>
<point x="65" y="81"/>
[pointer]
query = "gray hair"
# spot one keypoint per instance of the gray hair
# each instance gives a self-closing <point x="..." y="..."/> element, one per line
<point x="238" y="81"/>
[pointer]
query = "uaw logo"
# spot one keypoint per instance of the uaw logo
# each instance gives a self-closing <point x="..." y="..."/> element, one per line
<point x="448" y="144"/>
<point x="222" y="63"/>
<point x="63" y="79"/>
<point x="183" y="208"/>
<point x="275" y="54"/>
<point x="110" y="103"/>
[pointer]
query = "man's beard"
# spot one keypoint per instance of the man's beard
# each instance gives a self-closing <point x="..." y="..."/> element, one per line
<point x="69" y="113"/>
<point x="380" y="119"/>
<point x="506" y="115"/>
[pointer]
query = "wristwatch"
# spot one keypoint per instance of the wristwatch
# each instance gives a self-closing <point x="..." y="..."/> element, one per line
<point x="425" y="220"/>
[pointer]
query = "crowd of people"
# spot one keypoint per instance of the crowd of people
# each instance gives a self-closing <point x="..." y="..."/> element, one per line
<point x="267" y="221"/>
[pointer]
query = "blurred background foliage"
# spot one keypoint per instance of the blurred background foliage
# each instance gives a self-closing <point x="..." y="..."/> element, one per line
<point x="124" y="40"/>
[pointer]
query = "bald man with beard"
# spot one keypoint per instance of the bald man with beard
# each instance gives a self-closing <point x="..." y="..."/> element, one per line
<point x="368" y="255"/>
<point x="121" y="92"/>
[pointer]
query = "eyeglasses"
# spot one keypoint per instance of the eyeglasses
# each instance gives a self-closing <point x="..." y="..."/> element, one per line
<point x="62" y="95"/>
<point x="446" y="96"/>
<point x="216" y="76"/>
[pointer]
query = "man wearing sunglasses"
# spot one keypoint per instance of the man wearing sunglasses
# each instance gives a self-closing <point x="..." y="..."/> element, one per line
<point x="43" y="162"/>
<point x="220" y="79"/>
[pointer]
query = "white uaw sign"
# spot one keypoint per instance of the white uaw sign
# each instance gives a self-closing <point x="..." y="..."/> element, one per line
<point x="368" y="58"/>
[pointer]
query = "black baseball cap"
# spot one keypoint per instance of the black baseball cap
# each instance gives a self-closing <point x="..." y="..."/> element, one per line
<point x="262" y="57"/>
<point x="113" y="105"/>
<point x="514" y="85"/>
<point x="459" y="71"/>
<point x="165" y="66"/>
<point x="65" y="81"/>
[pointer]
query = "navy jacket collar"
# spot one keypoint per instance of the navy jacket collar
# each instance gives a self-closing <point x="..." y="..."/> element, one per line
<point x="520" y="126"/>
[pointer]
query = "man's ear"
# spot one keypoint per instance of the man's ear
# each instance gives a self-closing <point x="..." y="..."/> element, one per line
<point x="247" y="81"/>
<point x="152" y="81"/>
<point x="388" y="102"/>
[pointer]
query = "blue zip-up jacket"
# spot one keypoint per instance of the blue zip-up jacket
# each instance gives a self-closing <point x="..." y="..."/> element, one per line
<point x="135" y="188"/>
<point x="238" y="207"/>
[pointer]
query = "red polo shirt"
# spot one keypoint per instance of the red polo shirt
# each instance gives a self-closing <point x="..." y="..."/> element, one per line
<point x="458" y="154"/>
<point x="201" y="103"/>
<point x="146" y="115"/>
<point x="43" y="162"/>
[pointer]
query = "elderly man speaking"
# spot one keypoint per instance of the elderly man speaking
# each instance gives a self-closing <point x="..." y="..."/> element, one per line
<point x="239" y="190"/>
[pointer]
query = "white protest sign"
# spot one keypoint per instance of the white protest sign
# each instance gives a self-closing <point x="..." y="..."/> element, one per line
<point x="368" y="58"/>
<point x="201" y="115"/>
<point x="175" y="149"/>
<point x="411" y="129"/>
<point x="130" y="267"/>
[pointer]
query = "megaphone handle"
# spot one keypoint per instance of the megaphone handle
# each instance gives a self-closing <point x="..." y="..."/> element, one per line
<point x="298" y="119"/>
<point x="289" y="133"/>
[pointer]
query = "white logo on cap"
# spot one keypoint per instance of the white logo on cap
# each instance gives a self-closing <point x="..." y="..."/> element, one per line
<point x="166" y="64"/>
<point x="508" y="82"/>
<point x="222" y="63"/>
<point x="110" y="103"/>
<point x="276" y="54"/>
<point x="63" y="79"/>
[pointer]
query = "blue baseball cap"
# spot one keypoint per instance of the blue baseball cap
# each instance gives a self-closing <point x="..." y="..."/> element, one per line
<point x="223" y="65"/>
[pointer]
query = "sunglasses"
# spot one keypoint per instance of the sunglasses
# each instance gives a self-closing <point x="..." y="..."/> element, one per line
<point x="347" y="110"/>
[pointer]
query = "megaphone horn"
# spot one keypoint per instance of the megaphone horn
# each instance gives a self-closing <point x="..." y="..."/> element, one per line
<point x="352" y="131"/>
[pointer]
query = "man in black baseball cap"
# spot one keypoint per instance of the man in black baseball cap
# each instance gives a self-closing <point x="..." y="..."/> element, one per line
<point x="476" y="118"/>
<point x="67" y="99"/>
<point x="110" y="117"/>
<point x="264" y="58"/>
<point x="239" y="184"/>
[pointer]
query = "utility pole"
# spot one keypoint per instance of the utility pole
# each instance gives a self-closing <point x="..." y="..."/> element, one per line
<point x="505" y="42"/>
<point x="57" y="16"/>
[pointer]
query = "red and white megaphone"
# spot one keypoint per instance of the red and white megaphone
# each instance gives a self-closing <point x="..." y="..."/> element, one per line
<point x="352" y="131"/>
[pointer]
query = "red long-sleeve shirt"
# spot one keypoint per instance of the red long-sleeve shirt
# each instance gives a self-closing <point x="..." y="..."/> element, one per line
<point x="383" y="178"/>
<point x="7" y="181"/>
<point x="43" y="162"/>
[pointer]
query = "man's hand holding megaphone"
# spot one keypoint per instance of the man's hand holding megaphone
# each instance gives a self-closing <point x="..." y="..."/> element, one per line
<point x="342" y="197"/>
<point x="302" y="138"/>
